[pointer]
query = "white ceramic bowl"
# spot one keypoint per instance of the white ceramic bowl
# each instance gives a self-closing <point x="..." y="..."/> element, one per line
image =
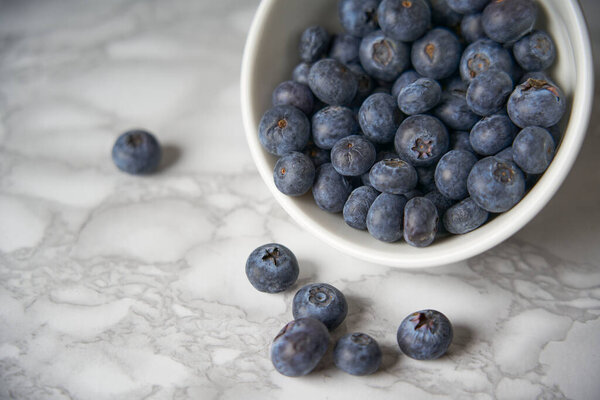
<point x="269" y="57"/>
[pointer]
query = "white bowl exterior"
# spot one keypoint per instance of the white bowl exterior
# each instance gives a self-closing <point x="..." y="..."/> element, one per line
<point x="269" y="57"/>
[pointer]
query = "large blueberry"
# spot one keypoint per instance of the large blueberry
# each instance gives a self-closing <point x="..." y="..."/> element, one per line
<point x="492" y="134"/>
<point x="344" y="48"/>
<point x="467" y="6"/>
<point x="283" y="129"/>
<point x="393" y="175"/>
<point x="464" y="217"/>
<point x="332" y="82"/>
<point x="488" y="92"/>
<point x="536" y="103"/>
<point x="272" y="268"/>
<point x="385" y="217"/>
<point x="295" y="94"/>
<point x="452" y="172"/>
<point x="437" y="54"/>
<point x="332" y="123"/>
<point x="482" y="55"/>
<point x="358" y="17"/>
<point x="425" y="335"/>
<point x="294" y="174"/>
<point x="357" y="206"/>
<point x="357" y="354"/>
<point x="471" y="28"/>
<point x="506" y="21"/>
<point x="495" y="184"/>
<point x="382" y="57"/>
<point x="421" y="140"/>
<point x="136" y="152"/>
<point x="320" y="301"/>
<point x="405" y="20"/>
<point x="314" y="43"/>
<point x="405" y="79"/>
<point x="379" y="117"/>
<point x="535" y="52"/>
<point x="420" y="222"/>
<point x="454" y="111"/>
<point x="330" y="189"/>
<point x="533" y="149"/>
<point x="420" y="96"/>
<point x="353" y="155"/>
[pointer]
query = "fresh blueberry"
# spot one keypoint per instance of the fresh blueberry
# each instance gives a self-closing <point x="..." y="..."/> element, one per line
<point x="536" y="103"/>
<point x="483" y="55"/>
<point x="464" y="217"/>
<point x="452" y="172"/>
<point x="272" y="268"/>
<point x="535" y="52"/>
<point x="421" y="140"/>
<point x="405" y="79"/>
<point x="365" y="83"/>
<point x="471" y="28"/>
<point x="353" y="155"/>
<point x="385" y="217"/>
<point x="394" y="176"/>
<point x="314" y="43"/>
<point x="317" y="155"/>
<point x="442" y="14"/>
<point x="506" y="154"/>
<point x="294" y="174"/>
<point x="283" y="129"/>
<point x="357" y="206"/>
<point x="426" y="178"/>
<point x="437" y="54"/>
<point x="492" y="134"/>
<point x="467" y="6"/>
<point x="488" y="92"/>
<point x="454" y="111"/>
<point x="496" y="185"/>
<point x="322" y="302"/>
<point x="332" y="82"/>
<point x="299" y="346"/>
<point x="358" y="17"/>
<point x="294" y="94"/>
<point x="344" y="48"/>
<point x="300" y="73"/>
<point x="379" y="118"/>
<point x="533" y="149"/>
<point x="420" y="222"/>
<point x="420" y="96"/>
<point x="330" y="189"/>
<point x="332" y="123"/>
<point x="381" y="155"/>
<point x="459" y="140"/>
<point x="405" y="20"/>
<point x="136" y="152"/>
<point x="357" y="354"/>
<point x="441" y="202"/>
<point x="383" y="57"/>
<point x="425" y="335"/>
<point x="506" y="21"/>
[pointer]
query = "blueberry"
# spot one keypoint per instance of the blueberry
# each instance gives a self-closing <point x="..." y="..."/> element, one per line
<point x="406" y="78"/>
<point x="357" y="354"/>
<point x="405" y="20"/>
<point x="420" y="222"/>
<point x="426" y="178"/>
<point x="314" y="43"/>
<point x="394" y="176"/>
<point x="464" y="217"/>
<point x="136" y="152"/>
<point x="442" y="14"/>
<point x="383" y="57"/>
<point x="459" y="140"/>
<point x="294" y="174"/>
<point x="471" y="28"/>
<point x="420" y="96"/>
<point x="330" y="189"/>
<point x="421" y="140"/>
<point x="379" y="117"/>
<point x="425" y="335"/>
<point x="467" y="6"/>
<point x="488" y="92"/>
<point x="454" y="111"/>
<point x="344" y="48"/>
<point x="506" y="154"/>
<point x="294" y="94"/>
<point x="483" y="55"/>
<point x="357" y="206"/>
<point x="452" y="172"/>
<point x="441" y="202"/>
<point x="322" y="302"/>
<point x="317" y="155"/>
<point x="535" y="52"/>
<point x="492" y="134"/>
<point x="353" y="155"/>
<point x="455" y="82"/>
<point x="365" y="83"/>
<point x="437" y="54"/>
<point x="358" y="17"/>
<point x="533" y="149"/>
<point x="283" y="129"/>
<point x="508" y="20"/>
<point x="496" y="185"/>
<point x="272" y="268"/>
<point x="538" y="75"/>
<point x="332" y="123"/>
<point x="536" y="103"/>
<point x="300" y="73"/>
<point x="385" y="217"/>
<point x="332" y="82"/>
<point x="299" y="346"/>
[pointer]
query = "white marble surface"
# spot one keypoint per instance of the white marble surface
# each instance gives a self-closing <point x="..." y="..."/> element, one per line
<point x="117" y="287"/>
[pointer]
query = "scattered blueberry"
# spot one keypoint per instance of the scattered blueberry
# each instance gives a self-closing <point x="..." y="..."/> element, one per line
<point x="483" y="55"/>
<point x="452" y="172"/>
<point x="300" y="73"/>
<point x="357" y="206"/>
<point x="420" y="96"/>
<point x="405" y="20"/>
<point x="454" y="111"/>
<point x="357" y="354"/>
<point x="379" y="118"/>
<point x="330" y="189"/>
<point x="536" y="103"/>
<point x="283" y="129"/>
<point x="331" y="124"/>
<point x="488" y="92"/>
<point x="533" y="149"/>
<point x="344" y="48"/>
<point x="136" y="152"/>
<point x="272" y="268"/>
<point x="353" y="155"/>
<point x="420" y="222"/>
<point x="421" y="140"/>
<point x="471" y="28"/>
<point x="506" y="21"/>
<point x="322" y="302"/>
<point x="385" y="217"/>
<point x="535" y="52"/>
<point x="437" y="54"/>
<point x="393" y="175"/>
<point x="464" y="217"/>
<point x="314" y="43"/>
<point x="294" y="174"/>
<point x="405" y="78"/>
<point x="492" y="134"/>
<point x="332" y="82"/>
<point x="496" y="185"/>
<point x="358" y="17"/>
<point x="383" y="57"/>
<point x="425" y="335"/>
<point x="294" y="94"/>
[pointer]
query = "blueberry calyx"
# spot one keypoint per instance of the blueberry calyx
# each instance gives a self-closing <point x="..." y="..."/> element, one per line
<point x="429" y="50"/>
<point x="394" y="162"/>
<point x="273" y="254"/>
<point x="481" y="60"/>
<point x="407" y="4"/>
<point x="504" y="173"/>
<point x="134" y="140"/>
<point x="361" y="339"/>
<point x="320" y="296"/>
<point x="423" y="147"/>
<point x="282" y="123"/>
<point x="533" y="83"/>
<point x="422" y="320"/>
<point x="382" y="52"/>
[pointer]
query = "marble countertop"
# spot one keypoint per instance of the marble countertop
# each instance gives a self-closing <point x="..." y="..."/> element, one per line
<point x="120" y="287"/>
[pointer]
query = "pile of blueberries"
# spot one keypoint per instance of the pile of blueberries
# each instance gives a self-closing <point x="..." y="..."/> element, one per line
<point x="319" y="308"/>
<point x="423" y="117"/>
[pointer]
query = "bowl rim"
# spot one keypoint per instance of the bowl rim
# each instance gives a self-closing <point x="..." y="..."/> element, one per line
<point x="522" y="213"/>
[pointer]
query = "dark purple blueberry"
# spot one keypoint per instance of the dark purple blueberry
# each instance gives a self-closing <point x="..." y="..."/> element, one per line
<point x="392" y="175"/>
<point x="300" y="73"/>
<point x="452" y="172"/>
<point x="459" y="140"/>
<point x="454" y="111"/>
<point x="357" y="354"/>
<point x="420" y="96"/>
<point x="506" y="154"/>
<point x="366" y="85"/>
<point x="464" y="217"/>
<point x="425" y="335"/>
<point x="294" y="94"/>
<point x="136" y="152"/>
<point x="406" y="78"/>
<point x="507" y="21"/>
<point x="353" y="155"/>
<point x="357" y="206"/>
<point x="294" y="174"/>
<point x="385" y="217"/>
<point x="317" y="155"/>
<point x="420" y="222"/>
<point x="496" y="185"/>
<point x="488" y="92"/>
<point x="272" y="268"/>
<point x="421" y="140"/>
<point x="383" y="57"/>
<point x="299" y="346"/>
<point x="314" y="43"/>
<point x="344" y="48"/>
<point x="483" y="55"/>
<point x="442" y="14"/>
<point x="492" y="134"/>
<point x="533" y="149"/>
<point x="405" y="20"/>
<point x="332" y="82"/>
<point x="467" y="6"/>
<point x="441" y="202"/>
<point x="358" y="17"/>
<point x="536" y="103"/>
<point x="283" y="129"/>
<point x="332" y="123"/>
<point x="437" y="54"/>
<point x="379" y="118"/>
<point x="535" y="52"/>
<point x="330" y="189"/>
<point x="426" y="178"/>
<point x="322" y="302"/>
<point x="471" y="29"/>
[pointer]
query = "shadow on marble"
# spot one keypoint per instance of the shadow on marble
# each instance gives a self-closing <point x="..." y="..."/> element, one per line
<point x="389" y="359"/>
<point x="170" y="155"/>
<point x="463" y="339"/>
<point x="308" y="273"/>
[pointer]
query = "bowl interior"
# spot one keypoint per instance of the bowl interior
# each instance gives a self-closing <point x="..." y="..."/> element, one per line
<point x="270" y="56"/>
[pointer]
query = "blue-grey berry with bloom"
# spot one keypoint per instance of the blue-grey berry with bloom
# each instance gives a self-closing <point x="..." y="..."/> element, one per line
<point x="314" y="43"/>
<point x="421" y="222"/>
<point x="533" y="149"/>
<point x="357" y="206"/>
<point x="330" y="189"/>
<point x="536" y="103"/>
<point x="464" y="217"/>
<point x="358" y="17"/>
<point x="137" y="152"/>
<point x="357" y="354"/>
<point x="425" y="335"/>
<point x="379" y="118"/>
<point x="332" y="82"/>
<point x="437" y="54"/>
<point x="385" y="217"/>
<point x="283" y="129"/>
<point x="382" y="57"/>
<point x="353" y="155"/>
<point x="272" y="268"/>
<point x="294" y="174"/>
<point x="405" y="20"/>
<point x="496" y="184"/>
<point x="321" y="301"/>
<point x="506" y="21"/>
